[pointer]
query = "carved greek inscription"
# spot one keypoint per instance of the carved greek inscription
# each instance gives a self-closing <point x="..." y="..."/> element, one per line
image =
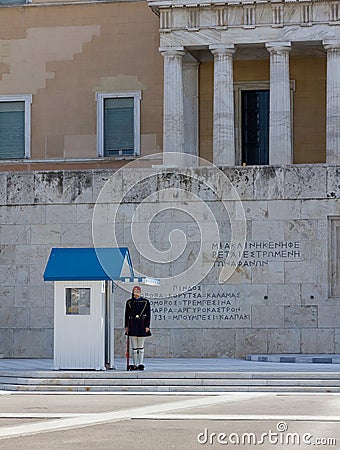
<point x="199" y="304"/>
<point x="255" y="253"/>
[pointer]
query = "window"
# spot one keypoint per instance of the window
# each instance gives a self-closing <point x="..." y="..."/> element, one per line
<point x="118" y="123"/>
<point x="78" y="301"/>
<point x="15" y="126"/>
<point x="12" y="2"/>
<point x="334" y="257"/>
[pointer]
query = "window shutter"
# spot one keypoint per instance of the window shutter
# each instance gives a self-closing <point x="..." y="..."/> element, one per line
<point x="12" y="2"/>
<point x="118" y="126"/>
<point x="12" y="130"/>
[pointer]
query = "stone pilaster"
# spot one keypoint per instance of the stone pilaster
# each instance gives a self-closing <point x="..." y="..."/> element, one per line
<point x="190" y="83"/>
<point x="224" y="139"/>
<point x="280" y="135"/>
<point x="173" y="112"/>
<point x="333" y="101"/>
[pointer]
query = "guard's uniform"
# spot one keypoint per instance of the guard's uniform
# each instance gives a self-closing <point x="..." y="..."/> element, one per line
<point x="137" y="316"/>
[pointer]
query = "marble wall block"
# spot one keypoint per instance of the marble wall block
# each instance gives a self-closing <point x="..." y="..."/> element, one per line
<point x="271" y="273"/>
<point x="267" y="316"/>
<point x="301" y="316"/>
<point x="6" y="342"/>
<point x="7" y="254"/>
<point x="7" y="295"/>
<point x="25" y="340"/>
<point x="268" y="183"/>
<point x="49" y="234"/>
<point x="242" y="180"/>
<point x="84" y="213"/>
<point x="328" y="316"/>
<point x="314" y="293"/>
<point x="15" y="234"/>
<point x="284" y="210"/>
<point x="185" y="343"/>
<point x="303" y="271"/>
<point x="337" y="341"/>
<point x="13" y="275"/>
<point x="48" y="187"/>
<point x="3" y="188"/>
<point x="300" y="229"/>
<point x="250" y="341"/>
<point x="158" y="345"/>
<point x="77" y="187"/>
<point x="79" y="234"/>
<point x="317" y="341"/>
<point x="20" y="188"/>
<point x="284" y="341"/>
<point x="41" y="318"/>
<point x="27" y="214"/>
<point x="61" y="214"/>
<point x="302" y="182"/>
<point x="30" y="296"/>
<point x="315" y="209"/>
<point x="218" y="343"/>
<point x="264" y="230"/>
<point x="284" y="294"/>
<point x="14" y="317"/>
<point x="333" y="182"/>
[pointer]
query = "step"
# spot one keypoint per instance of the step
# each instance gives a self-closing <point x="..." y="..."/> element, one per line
<point x="77" y="381"/>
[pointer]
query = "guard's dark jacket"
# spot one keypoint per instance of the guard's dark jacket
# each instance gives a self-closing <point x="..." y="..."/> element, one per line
<point x="137" y="316"/>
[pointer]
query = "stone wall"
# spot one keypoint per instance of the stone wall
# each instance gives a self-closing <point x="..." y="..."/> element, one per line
<point x="276" y="296"/>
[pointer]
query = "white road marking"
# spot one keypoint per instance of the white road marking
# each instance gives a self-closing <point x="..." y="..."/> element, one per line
<point x="79" y="421"/>
<point x="238" y="417"/>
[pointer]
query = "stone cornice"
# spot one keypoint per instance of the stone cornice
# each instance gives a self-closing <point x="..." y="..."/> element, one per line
<point x="195" y="15"/>
<point x="204" y="3"/>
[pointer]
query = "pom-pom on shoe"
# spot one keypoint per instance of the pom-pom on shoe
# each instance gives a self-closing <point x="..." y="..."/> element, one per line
<point x="140" y="367"/>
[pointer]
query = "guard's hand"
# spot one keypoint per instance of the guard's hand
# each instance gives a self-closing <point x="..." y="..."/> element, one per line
<point x="147" y="329"/>
<point x="126" y="330"/>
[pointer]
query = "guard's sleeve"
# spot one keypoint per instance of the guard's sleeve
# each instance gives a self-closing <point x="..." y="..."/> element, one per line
<point x="127" y="314"/>
<point x="147" y="314"/>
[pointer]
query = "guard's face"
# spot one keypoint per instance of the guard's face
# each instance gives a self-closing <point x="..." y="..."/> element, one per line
<point x="136" y="293"/>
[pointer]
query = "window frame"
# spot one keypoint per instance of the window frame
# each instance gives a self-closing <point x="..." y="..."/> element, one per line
<point x="100" y="98"/>
<point x="27" y="99"/>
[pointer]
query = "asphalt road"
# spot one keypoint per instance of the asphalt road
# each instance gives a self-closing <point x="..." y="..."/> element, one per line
<point x="162" y="421"/>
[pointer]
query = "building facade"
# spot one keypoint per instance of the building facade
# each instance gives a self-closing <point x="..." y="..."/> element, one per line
<point x="90" y="90"/>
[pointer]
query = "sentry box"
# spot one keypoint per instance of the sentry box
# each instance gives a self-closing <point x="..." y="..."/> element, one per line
<point x="83" y="303"/>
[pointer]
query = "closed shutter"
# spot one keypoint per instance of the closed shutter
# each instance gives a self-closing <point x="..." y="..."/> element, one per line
<point x="119" y="126"/>
<point x="12" y="2"/>
<point x="12" y="130"/>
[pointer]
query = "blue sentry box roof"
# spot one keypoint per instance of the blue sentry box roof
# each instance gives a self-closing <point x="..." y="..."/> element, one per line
<point x="85" y="264"/>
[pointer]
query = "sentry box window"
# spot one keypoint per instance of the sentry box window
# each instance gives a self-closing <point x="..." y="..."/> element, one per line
<point x="78" y="301"/>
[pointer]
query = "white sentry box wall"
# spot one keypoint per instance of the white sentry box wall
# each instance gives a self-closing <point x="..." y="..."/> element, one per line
<point x="79" y="337"/>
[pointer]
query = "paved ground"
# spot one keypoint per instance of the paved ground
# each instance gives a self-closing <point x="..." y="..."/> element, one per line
<point x="91" y="421"/>
<point x="156" y="422"/>
<point x="189" y="364"/>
